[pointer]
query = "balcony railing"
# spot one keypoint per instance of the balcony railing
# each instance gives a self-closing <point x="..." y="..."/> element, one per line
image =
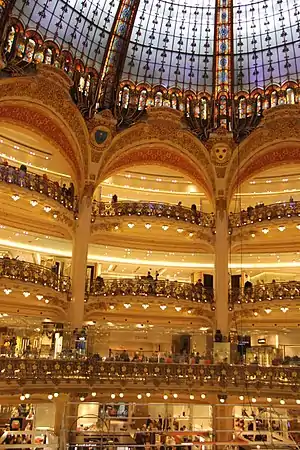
<point x="289" y="290"/>
<point x="37" y="183"/>
<point x="153" y="209"/>
<point x="33" y="273"/>
<point x="101" y="372"/>
<point x="147" y="287"/>
<point x="264" y="213"/>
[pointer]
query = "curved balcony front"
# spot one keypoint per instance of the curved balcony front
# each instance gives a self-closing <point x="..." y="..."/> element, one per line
<point x="289" y="290"/>
<point x="51" y="203"/>
<point x="137" y="222"/>
<point x="143" y="287"/>
<point x="101" y="374"/>
<point x="33" y="288"/>
<point x="264" y="213"/>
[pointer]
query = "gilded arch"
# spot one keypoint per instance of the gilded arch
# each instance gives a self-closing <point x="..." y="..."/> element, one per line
<point x="161" y="140"/>
<point x="275" y="141"/>
<point x="42" y="103"/>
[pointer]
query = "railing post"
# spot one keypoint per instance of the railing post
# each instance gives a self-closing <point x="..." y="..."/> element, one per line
<point x="221" y="267"/>
<point x="79" y="259"/>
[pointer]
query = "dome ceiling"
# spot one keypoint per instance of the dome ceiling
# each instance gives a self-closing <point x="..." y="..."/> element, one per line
<point x="172" y="43"/>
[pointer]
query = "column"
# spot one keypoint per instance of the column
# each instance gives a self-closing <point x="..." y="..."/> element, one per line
<point x="223" y="425"/>
<point x="221" y="267"/>
<point x="116" y="51"/>
<point x="79" y="260"/>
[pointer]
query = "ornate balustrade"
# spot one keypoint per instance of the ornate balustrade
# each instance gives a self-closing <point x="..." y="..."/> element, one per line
<point x="146" y="287"/>
<point x="289" y="290"/>
<point x="37" y="183"/>
<point x="101" y="372"/>
<point x="264" y="213"/>
<point x="153" y="209"/>
<point x="33" y="273"/>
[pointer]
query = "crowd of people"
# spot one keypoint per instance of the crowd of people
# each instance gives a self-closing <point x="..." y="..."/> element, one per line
<point x="40" y="183"/>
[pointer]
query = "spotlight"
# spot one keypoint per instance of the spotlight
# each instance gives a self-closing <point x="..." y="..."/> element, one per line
<point x="192" y="397"/>
<point x="50" y="396"/>
<point x="82" y="398"/>
<point x="222" y="398"/>
<point x="282" y="402"/>
<point x="269" y="400"/>
<point x="22" y="397"/>
<point x="165" y="397"/>
<point x="113" y="396"/>
<point x="27" y="396"/>
<point x="121" y="395"/>
<point x="203" y="396"/>
<point x="241" y="397"/>
<point x="55" y="394"/>
<point x="175" y="395"/>
<point x="94" y="394"/>
<point x="139" y="396"/>
<point x="253" y="400"/>
<point x="147" y="394"/>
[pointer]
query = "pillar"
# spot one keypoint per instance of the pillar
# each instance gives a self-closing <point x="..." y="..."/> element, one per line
<point x="221" y="267"/>
<point x="223" y="424"/>
<point x="79" y="260"/>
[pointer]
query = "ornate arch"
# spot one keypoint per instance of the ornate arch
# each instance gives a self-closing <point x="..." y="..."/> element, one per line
<point x="163" y="141"/>
<point x="42" y="104"/>
<point x="275" y="141"/>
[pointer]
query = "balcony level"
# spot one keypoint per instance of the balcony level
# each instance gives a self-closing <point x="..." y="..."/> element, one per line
<point x="27" y="193"/>
<point x="67" y="375"/>
<point x="31" y="289"/>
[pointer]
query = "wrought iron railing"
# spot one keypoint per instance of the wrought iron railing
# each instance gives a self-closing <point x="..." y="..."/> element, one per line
<point x="147" y="287"/>
<point x="153" y="209"/>
<point x="33" y="273"/>
<point x="37" y="183"/>
<point x="264" y="213"/>
<point x="288" y="290"/>
<point x="98" y="372"/>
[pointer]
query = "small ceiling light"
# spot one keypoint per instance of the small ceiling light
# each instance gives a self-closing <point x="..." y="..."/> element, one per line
<point x="189" y="311"/>
<point x="192" y="397"/>
<point x="253" y="235"/>
<point x="253" y="400"/>
<point x="165" y="397"/>
<point x="55" y="215"/>
<point x="284" y="309"/>
<point x="241" y="397"/>
<point x="82" y="398"/>
<point x="15" y="197"/>
<point x="22" y="397"/>
<point x="47" y="300"/>
<point x="148" y="226"/>
<point x="127" y="305"/>
<point x="121" y="395"/>
<point x="130" y="225"/>
<point x="268" y="310"/>
<point x="298" y="401"/>
<point x="281" y="228"/>
<point x="282" y="401"/>
<point x="47" y="209"/>
<point x="26" y="294"/>
<point x="112" y="306"/>
<point x="116" y="227"/>
<point x="39" y="297"/>
<point x="7" y="291"/>
<point x="94" y="394"/>
<point x="222" y="400"/>
<point x="191" y="235"/>
<point x="269" y="400"/>
<point x="180" y="230"/>
<point x="27" y="396"/>
<point x="33" y="202"/>
<point x="145" y="305"/>
<point x="50" y="397"/>
<point x="298" y="226"/>
<point x="139" y="396"/>
<point x="265" y="230"/>
<point x="148" y="394"/>
<point x="175" y="395"/>
<point x="178" y="308"/>
<point x="55" y="394"/>
<point x="255" y="313"/>
<point x="163" y="307"/>
<point x="165" y="227"/>
<point x="113" y="396"/>
<point x="203" y="396"/>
